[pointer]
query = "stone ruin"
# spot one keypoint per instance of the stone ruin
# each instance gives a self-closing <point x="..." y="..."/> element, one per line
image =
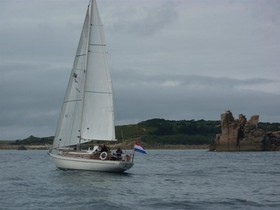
<point x="244" y="135"/>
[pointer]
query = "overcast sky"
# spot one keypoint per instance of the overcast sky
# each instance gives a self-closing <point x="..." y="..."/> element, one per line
<point x="172" y="59"/>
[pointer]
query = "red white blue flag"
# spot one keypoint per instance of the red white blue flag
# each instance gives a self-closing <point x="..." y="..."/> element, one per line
<point x="138" y="148"/>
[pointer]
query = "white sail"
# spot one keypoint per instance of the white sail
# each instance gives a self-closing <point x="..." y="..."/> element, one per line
<point x="98" y="113"/>
<point x="87" y="113"/>
<point x="68" y="129"/>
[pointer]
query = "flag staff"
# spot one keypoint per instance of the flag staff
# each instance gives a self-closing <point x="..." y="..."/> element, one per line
<point x="133" y="153"/>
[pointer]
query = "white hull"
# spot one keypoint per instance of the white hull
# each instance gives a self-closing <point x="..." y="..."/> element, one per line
<point x="73" y="163"/>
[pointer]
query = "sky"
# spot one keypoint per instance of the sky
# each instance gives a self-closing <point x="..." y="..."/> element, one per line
<point x="171" y="59"/>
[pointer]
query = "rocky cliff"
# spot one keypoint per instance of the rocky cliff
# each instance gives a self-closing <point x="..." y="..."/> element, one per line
<point x="244" y="135"/>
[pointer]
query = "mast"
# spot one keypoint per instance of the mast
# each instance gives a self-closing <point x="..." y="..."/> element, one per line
<point x="86" y="66"/>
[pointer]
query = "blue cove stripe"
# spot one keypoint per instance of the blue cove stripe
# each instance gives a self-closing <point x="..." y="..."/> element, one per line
<point x="140" y="150"/>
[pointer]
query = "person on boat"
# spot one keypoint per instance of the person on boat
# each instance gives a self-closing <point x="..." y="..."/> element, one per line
<point x="119" y="153"/>
<point x="104" y="148"/>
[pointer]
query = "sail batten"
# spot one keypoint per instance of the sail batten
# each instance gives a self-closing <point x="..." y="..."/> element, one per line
<point x="101" y="92"/>
<point x="81" y="55"/>
<point x="97" y="44"/>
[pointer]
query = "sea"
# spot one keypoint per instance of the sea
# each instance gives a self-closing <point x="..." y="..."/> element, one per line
<point x="161" y="179"/>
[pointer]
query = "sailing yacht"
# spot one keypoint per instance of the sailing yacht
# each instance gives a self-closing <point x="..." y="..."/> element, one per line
<point x="87" y="113"/>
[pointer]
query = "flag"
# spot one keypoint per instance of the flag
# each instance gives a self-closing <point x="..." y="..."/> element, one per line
<point x="138" y="148"/>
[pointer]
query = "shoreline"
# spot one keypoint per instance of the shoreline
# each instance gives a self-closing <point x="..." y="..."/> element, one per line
<point x="24" y="147"/>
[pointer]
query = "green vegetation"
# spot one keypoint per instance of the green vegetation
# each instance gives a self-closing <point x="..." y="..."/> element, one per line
<point x="157" y="132"/>
<point x="269" y="126"/>
<point x="184" y="132"/>
<point x="32" y="140"/>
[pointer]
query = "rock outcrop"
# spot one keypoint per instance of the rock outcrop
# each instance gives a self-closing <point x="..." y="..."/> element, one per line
<point x="244" y="135"/>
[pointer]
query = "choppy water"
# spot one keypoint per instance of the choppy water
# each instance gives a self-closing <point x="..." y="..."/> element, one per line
<point x="173" y="179"/>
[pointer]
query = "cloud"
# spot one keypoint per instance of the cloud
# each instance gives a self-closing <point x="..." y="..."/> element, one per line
<point x="184" y="80"/>
<point x="31" y="97"/>
<point x="265" y="10"/>
<point x="191" y="97"/>
<point x="171" y="59"/>
<point x="144" y="20"/>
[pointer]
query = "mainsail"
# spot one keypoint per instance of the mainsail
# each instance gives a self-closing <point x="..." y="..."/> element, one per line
<point x="87" y="112"/>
